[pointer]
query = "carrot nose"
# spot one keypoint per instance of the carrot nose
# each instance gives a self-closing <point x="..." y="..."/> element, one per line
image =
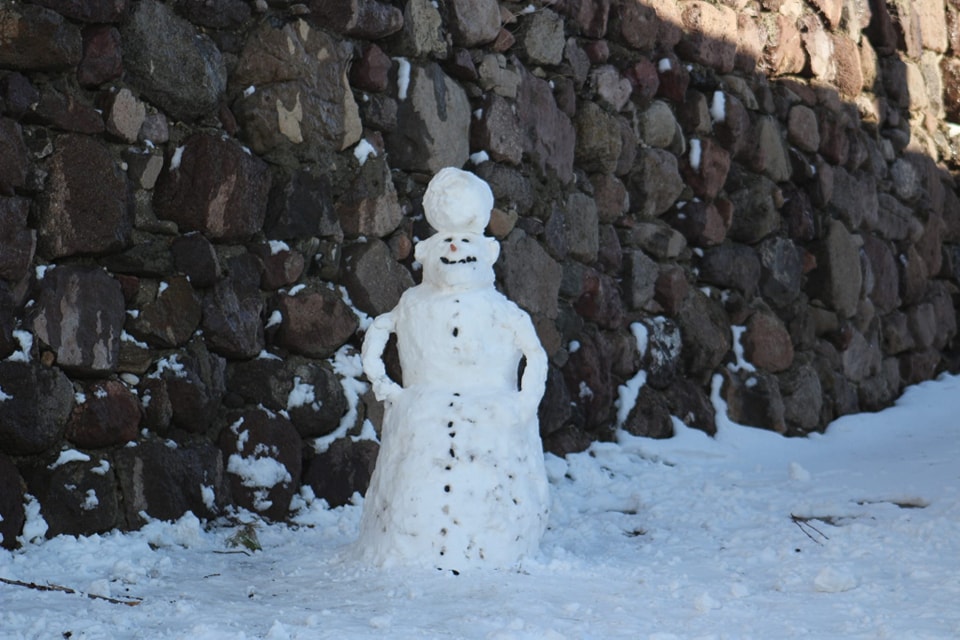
<point x="453" y="247"/>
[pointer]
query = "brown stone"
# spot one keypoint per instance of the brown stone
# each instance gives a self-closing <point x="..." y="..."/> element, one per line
<point x="367" y="19"/>
<point x="37" y="38"/>
<point x="18" y="242"/>
<point x="108" y="415"/>
<point x="767" y="343"/>
<point x="708" y="34"/>
<point x="342" y="470"/>
<point x="315" y="323"/>
<point x="102" y="59"/>
<point x="370" y="71"/>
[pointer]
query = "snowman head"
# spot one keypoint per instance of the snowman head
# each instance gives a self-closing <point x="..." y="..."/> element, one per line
<point x="457" y="204"/>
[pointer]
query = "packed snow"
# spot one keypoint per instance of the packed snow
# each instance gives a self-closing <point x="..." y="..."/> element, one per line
<point x="853" y="534"/>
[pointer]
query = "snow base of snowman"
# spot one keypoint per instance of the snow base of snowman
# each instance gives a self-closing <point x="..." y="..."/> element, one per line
<point x="460" y="480"/>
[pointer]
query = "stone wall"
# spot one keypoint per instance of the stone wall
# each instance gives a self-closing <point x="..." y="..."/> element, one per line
<point x="202" y="204"/>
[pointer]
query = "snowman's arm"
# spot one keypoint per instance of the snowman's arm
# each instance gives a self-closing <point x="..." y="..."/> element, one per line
<point x="534" y="380"/>
<point x="371" y="355"/>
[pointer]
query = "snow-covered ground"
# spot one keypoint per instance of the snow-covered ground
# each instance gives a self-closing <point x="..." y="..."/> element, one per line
<point x="852" y="534"/>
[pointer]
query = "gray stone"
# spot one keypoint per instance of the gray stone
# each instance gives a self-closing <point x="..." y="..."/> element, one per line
<point x="232" y="310"/>
<point x="35" y="413"/>
<point x="782" y="271"/>
<point x="195" y="257"/>
<point x="79" y="316"/>
<point x="291" y="95"/>
<point x="542" y="37"/>
<point x="731" y="266"/>
<point x="650" y="416"/>
<point x="187" y="387"/>
<point x="895" y="220"/>
<point x="885" y="293"/>
<point x="802" y="398"/>
<point x="583" y="240"/>
<point x="174" y="65"/>
<point x="755" y="214"/>
<point x="163" y="482"/>
<point x="862" y="357"/>
<point x="654" y="183"/>
<point x="640" y="278"/>
<point x="802" y="128"/>
<point x="422" y="33"/>
<point x="473" y="22"/>
<point x="598" y="142"/>
<point x="370" y="206"/>
<point x="433" y="119"/>
<point x="837" y="280"/>
<point x="125" y="116"/>
<point x="373" y="278"/>
<point x="366" y="19"/>
<point x="705" y="328"/>
<point x="611" y="88"/>
<point x="301" y="206"/>
<point x="497" y="130"/>
<point x="657" y="125"/>
<point x="551" y="137"/>
<point x="656" y="238"/>
<point x="662" y="359"/>
<point x="530" y="277"/>
<point x="168" y="312"/>
<point x="770" y="155"/>
<point x="855" y="198"/>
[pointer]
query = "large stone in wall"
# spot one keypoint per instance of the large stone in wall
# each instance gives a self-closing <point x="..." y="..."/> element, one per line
<point x="315" y="322"/>
<point x="83" y="208"/>
<point x="767" y="343"/>
<point x="706" y="333"/>
<point x="214" y="14"/>
<point x="36" y="405"/>
<point x="367" y="19"/>
<point x="187" y="388"/>
<point x="530" y="277"/>
<point x="599" y="143"/>
<point x="654" y="183"/>
<point x="782" y="270"/>
<point x="301" y="206"/>
<point x="433" y="120"/>
<point x="755" y="214"/>
<point x="370" y="206"/>
<point x="102" y="56"/>
<point x="497" y="130"/>
<point x="550" y="136"/>
<point x="306" y="389"/>
<point x="589" y="381"/>
<point x="213" y="186"/>
<point x="232" y="310"/>
<point x="753" y="398"/>
<point x="168" y="312"/>
<point x="855" y="197"/>
<point x="79" y="316"/>
<point x="163" y="480"/>
<point x="35" y="38"/>
<point x="373" y="278"/>
<point x="731" y="266"/>
<point x="342" y="470"/>
<point x="262" y="454"/>
<point x="291" y="94"/>
<point x="18" y="242"/>
<point x="13" y="157"/>
<point x="837" y="279"/>
<point x="106" y="414"/>
<point x="94" y="11"/>
<point x="172" y="63"/>
<point x="883" y="265"/>
<point x="802" y="398"/>
<point x="473" y="22"/>
<point x="709" y="34"/>
<point x="76" y="498"/>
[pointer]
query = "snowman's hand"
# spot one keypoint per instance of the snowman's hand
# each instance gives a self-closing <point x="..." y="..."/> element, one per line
<point x="386" y="390"/>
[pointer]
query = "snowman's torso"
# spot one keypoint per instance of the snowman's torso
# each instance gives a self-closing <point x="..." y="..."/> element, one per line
<point x="459" y="480"/>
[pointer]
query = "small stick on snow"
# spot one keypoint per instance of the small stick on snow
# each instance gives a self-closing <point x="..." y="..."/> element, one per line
<point x="801" y="522"/>
<point x="130" y="602"/>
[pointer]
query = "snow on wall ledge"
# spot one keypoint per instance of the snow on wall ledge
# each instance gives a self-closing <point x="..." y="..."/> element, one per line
<point x="184" y="286"/>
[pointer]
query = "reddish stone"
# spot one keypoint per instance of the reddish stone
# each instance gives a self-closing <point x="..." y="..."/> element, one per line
<point x="700" y="222"/>
<point x="784" y="53"/>
<point x="598" y="51"/>
<point x="282" y="266"/>
<point x="367" y="19"/>
<point x="371" y="71"/>
<point x="67" y="110"/>
<point x="846" y="59"/>
<point x="102" y="60"/>
<point x="674" y="79"/>
<point x="671" y="289"/>
<point x="504" y="40"/>
<point x="13" y="157"/>
<point x="108" y="415"/>
<point x="37" y="38"/>
<point x="590" y="15"/>
<point x="599" y="300"/>
<point x="644" y="79"/>
<point x="169" y="317"/>
<point x="709" y="176"/>
<point x="315" y="323"/>
<point x="767" y="343"/>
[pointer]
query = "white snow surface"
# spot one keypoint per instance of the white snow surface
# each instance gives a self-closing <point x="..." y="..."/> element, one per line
<point x="850" y="534"/>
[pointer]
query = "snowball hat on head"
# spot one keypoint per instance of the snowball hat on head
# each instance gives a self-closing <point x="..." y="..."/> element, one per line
<point x="458" y="201"/>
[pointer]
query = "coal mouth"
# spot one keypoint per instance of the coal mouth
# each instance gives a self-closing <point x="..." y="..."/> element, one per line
<point x="466" y="260"/>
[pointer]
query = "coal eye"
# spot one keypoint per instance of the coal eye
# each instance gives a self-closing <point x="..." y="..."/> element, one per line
<point x="448" y="239"/>
<point x="464" y="239"/>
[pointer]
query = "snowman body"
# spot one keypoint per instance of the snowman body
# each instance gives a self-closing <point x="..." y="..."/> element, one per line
<point x="460" y="479"/>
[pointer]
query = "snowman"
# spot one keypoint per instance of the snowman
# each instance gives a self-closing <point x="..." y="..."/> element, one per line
<point x="460" y="479"/>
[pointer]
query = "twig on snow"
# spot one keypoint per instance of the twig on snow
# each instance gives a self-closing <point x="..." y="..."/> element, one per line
<point x="802" y="522"/>
<point x="130" y="602"/>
